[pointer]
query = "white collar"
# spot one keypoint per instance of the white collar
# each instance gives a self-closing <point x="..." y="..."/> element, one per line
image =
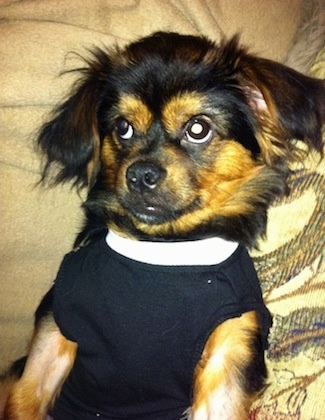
<point x="209" y="251"/>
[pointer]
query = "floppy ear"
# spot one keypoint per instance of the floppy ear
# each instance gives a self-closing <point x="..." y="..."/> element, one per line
<point x="289" y="106"/>
<point x="70" y="141"/>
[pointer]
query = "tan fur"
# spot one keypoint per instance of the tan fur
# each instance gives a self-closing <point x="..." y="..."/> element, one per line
<point x="180" y="109"/>
<point x="136" y="112"/>
<point x="224" y="187"/>
<point x="51" y="358"/>
<point x="222" y="364"/>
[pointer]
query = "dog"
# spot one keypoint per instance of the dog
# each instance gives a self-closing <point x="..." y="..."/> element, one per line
<point x="157" y="313"/>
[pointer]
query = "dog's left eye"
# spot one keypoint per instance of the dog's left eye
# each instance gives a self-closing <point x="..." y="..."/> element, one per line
<point x="198" y="131"/>
<point x="124" y="129"/>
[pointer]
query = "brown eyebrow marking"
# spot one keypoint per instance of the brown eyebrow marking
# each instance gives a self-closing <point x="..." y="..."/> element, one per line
<point x="179" y="109"/>
<point x="136" y="112"/>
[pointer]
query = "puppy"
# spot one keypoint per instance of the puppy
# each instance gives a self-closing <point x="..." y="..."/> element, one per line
<point x="157" y="313"/>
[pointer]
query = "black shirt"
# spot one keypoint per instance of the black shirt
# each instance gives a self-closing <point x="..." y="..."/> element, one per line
<point x="141" y="329"/>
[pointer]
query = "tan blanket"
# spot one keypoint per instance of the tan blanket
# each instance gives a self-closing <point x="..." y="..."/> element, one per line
<point x="37" y="38"/>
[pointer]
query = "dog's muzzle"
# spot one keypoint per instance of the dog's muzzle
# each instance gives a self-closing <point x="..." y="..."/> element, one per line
<point x="146" y="197"/>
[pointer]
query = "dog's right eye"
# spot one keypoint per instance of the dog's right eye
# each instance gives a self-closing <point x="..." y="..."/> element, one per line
<point x="124" y="129"/>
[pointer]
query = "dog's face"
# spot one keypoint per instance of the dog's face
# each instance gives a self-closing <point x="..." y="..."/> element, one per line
<point x="180" y="139"/>
<point x="171" y="146"/>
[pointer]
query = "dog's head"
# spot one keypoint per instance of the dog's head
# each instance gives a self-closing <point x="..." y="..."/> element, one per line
<point x="179" y="138"/>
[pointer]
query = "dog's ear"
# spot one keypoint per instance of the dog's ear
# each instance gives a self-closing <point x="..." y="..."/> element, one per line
<point x="70" y="140"/>
<point x="289" y="106"/>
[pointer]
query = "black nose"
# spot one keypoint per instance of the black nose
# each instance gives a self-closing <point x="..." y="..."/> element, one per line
<point x="142" y="176"/>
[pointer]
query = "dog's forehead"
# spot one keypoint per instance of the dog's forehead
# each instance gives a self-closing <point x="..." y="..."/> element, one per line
<point x="162" y="67"/>
<point x="174" y="112"/>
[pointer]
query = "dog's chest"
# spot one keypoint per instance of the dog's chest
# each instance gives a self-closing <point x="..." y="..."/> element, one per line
<point x="140" y="328"/>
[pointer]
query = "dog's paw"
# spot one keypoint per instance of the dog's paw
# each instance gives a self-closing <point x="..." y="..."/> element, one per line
<point x="216" y="406"/>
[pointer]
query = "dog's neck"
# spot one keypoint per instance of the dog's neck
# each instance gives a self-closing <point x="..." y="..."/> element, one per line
<point x="209" y="251"/>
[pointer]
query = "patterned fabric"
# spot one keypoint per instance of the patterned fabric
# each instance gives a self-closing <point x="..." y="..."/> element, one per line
<point x="291" y="267"/>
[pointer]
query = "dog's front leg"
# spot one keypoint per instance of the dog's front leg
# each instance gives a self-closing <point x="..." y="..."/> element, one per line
<point x="50" y="359"/>
<point x="231" y="372"/>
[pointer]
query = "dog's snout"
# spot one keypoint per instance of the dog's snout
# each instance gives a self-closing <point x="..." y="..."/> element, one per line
<point x="143" y="176"/>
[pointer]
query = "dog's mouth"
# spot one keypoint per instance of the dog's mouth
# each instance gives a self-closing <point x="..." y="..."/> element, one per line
<point x="154" y="209"/>
<point x="154" y="214"/>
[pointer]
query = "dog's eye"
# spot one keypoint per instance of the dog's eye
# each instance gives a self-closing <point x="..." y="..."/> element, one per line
<point x="198" y="131"/>
<point x="124" y="129"/>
